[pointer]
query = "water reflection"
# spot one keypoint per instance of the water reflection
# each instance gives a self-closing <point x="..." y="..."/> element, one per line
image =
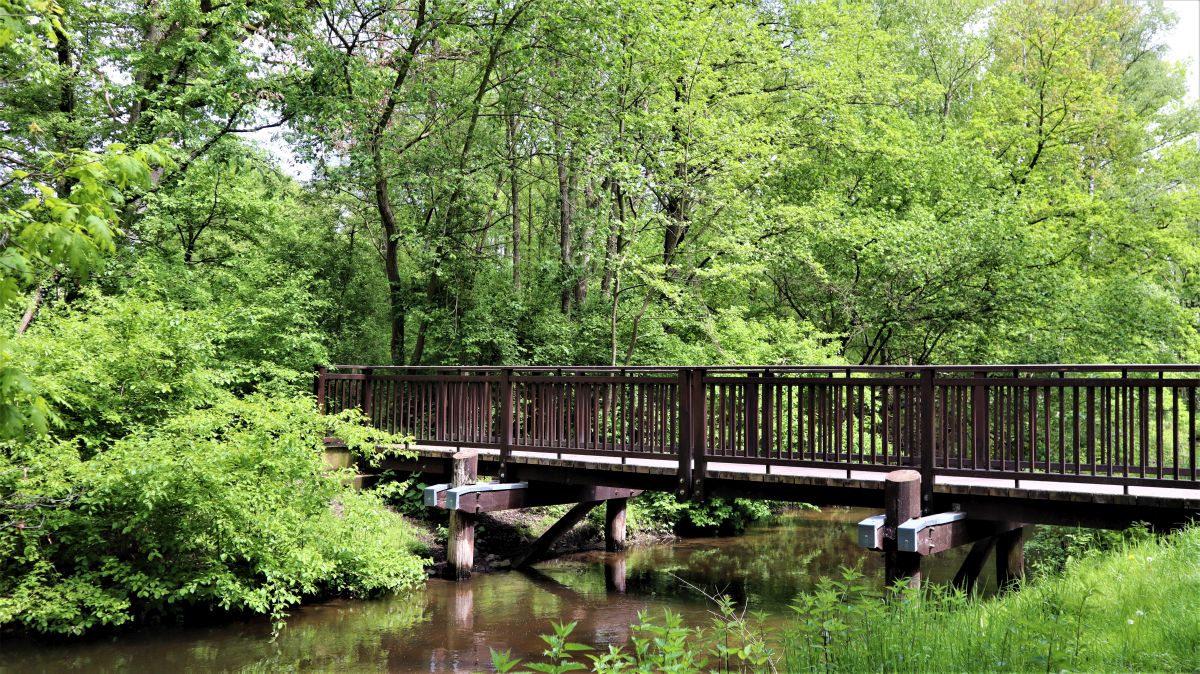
<point x="614" y="574"/>
<point x="452" y="626"/>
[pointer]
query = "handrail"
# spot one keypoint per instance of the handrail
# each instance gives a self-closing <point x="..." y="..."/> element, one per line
<point x="837" y="369"/>
<point x="1130" y="424"/>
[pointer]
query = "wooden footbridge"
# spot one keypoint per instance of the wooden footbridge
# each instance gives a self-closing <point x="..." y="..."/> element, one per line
<point x="955" y="454"/>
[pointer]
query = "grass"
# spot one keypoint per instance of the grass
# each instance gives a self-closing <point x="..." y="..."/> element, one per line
<point x="1134" y="608"/>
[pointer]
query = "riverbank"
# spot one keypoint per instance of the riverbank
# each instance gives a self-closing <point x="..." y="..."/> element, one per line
<point x="446" y="626"/>
<point x="1129" y="609"/>
<point x="453" y="627"/>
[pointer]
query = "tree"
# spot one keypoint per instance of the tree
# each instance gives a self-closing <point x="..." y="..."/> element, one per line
<point x="61" y="202"/>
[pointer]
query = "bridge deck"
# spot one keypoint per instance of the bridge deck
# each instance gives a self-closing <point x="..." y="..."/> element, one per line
<point x="1033" y="501"/>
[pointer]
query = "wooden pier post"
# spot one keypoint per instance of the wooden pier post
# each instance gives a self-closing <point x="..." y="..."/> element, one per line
<point x="615" y="510"/>
<point x="902" y="502"/>
<point x="1010" y="558"/>
<point x="460" y="544"/>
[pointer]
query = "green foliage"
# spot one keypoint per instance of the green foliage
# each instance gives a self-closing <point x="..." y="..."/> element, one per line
<point x="59" y="202"/>
<point x="114" y="363"/>
<point x="665" y="182"/>
<point x="654" y="647"/>
<point x="60" y="232"/>
<point x="183" y="471"/>
<point x="406" y="497"/>
<point x="1051" y="549"/>
<point x="716" y="515"/>
<point x="1128" y="609"/>
<point x="66" y="227"/>
<point x="228" y="506"/>
<point x="28" y="20"/>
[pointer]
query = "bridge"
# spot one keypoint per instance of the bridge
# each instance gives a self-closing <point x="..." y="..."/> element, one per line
<point x="955" y="454"/>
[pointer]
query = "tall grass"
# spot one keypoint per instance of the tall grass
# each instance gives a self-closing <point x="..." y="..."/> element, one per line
<point x="1136" y="608"/>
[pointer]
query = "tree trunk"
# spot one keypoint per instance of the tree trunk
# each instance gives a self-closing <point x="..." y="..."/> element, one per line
<point x="583" y="270"/>
<point x="612" y="321"/>
<point x="678" y="201"/>
<point x="612" y="243"/>
<point x="514" y="199"/>
<point x="66" y="105"/>
<point x="383" y="201"/>
<point x="565" y="216"/>
<point x="35" y="303"/>
<point x="391" y="265"/>
<point x="419" y="347"/>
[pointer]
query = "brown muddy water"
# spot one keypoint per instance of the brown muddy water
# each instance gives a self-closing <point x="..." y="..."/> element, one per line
<point x="451" y="627"/>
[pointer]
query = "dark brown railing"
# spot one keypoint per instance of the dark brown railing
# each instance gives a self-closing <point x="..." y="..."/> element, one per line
<point x="1126" y="424"/>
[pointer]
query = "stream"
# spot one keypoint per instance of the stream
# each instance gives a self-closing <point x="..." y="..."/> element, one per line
<point x="450" y="627"/>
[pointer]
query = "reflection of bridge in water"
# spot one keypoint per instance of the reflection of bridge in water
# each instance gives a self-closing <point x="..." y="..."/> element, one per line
<point x="985" y="449"/>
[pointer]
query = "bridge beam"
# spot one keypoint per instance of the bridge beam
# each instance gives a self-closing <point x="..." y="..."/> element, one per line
<point x="489" y="497"/>
<point x="942" y="531"/>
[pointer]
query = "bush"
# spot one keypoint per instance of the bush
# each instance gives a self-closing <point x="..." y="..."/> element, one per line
<point x="110" y="365"/>
<point x="1051" y="549"/>
<point x="663" y="512"/>
<point x="183" y="471"/>
<point x="229" y="506"/>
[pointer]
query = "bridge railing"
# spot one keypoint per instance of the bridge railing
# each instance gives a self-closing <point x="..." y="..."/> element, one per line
<point x="868" y="418"/>
<point x="1132" y="424"/>
<point x="1124" y="424"/>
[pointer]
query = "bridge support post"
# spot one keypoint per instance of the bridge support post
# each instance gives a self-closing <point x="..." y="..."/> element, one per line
<point x="614" y="524"/>
<point x="686" y="433"/>
<point x="460" y="544"/>
<point x="902" y="502"/>
<point x="1010" y="558"/>
<point x="698" y="418"/>
<point x="979" y="422"/>
<point x="928" y="444"/>
<point x="367" y="400"/>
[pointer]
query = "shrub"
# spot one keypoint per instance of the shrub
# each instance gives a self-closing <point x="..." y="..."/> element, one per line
<point x="228" y="506"/>
<point x="717" y="515"/>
